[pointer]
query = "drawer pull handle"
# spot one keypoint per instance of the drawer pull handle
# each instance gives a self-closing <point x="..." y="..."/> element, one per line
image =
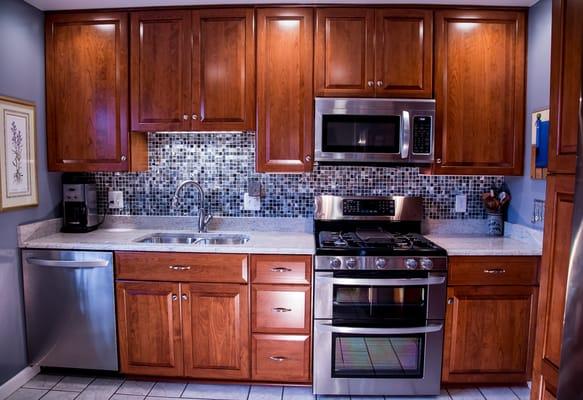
<point x="494" y="271"/>
<point x="281" y="269"/>
<point x="179" y="267"/>
<point x="278" y="358"/>
<point x="282" y="309"/>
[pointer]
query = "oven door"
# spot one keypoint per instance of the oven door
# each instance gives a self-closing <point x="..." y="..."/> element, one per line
<point x="350" y="360"/>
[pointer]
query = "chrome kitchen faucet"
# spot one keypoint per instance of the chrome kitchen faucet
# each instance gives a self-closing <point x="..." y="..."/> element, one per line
<point x="203" y="217"/>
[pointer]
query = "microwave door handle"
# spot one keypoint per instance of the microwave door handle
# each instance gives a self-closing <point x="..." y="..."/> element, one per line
<point x="430" y="328"/>
<point x="431" y="281"/>
<point x="405" y="134"/>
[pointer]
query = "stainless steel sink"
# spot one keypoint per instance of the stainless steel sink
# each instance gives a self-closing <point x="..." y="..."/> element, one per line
<point x="194" y="238"/>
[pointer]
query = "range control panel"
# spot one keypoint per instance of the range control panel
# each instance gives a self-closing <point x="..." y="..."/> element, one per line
<point x="422" y="134"/>
<point x="368" y="207"/>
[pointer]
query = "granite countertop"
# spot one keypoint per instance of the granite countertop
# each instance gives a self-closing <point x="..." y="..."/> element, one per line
<point x="482" y="245"/>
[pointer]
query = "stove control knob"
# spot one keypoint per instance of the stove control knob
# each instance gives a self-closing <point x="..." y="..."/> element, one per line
<point x="411" y="263"/>
<point x="335" y="263"/>
<point x="351" y="263"/>
<point x="381" y="263"/>
<point x="426" y="263"/>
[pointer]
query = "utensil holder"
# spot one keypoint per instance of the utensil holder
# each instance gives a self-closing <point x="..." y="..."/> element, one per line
<point x="495" y="222"/>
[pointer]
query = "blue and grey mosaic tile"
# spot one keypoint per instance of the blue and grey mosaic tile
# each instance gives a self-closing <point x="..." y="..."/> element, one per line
<point x="223" y="163"/>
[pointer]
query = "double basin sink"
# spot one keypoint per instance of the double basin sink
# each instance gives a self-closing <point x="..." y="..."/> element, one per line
<point x="194" y="238"/>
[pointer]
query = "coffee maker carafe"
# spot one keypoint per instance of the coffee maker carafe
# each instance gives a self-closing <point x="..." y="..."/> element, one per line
<point x="79" y="204"/>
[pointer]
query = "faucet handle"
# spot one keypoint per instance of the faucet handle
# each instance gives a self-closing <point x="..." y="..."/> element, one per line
<point x="174" y="202"/>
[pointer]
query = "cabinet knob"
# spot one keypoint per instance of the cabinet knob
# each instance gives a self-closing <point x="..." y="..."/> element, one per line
<point x="184" y="297"/>
<point x="278" y="358"/>
<point x="450" y="300"/>
<point x="370" y="83"/>
<point x="379" y="83"/>
<point x="438" y="161"/>
<point x="123" y="158"/>
<point x="308" y="158"/>
<point x="185" y="117"/>
<point x="194" y="117"/>
<point x="174" y="297"/>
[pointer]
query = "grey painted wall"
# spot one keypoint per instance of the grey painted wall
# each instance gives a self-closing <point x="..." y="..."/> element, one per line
<point x="21" y="76"/>
<point x="538" y="82"/>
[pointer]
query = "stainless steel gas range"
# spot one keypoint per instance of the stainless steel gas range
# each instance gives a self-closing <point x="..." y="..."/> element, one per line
<point x="379" y="298"/>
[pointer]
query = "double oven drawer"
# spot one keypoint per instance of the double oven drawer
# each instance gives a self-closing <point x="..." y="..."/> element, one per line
<point x="281" y="318"/>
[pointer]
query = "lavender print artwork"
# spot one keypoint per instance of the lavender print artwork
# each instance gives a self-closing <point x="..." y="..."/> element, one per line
<point x="17" y="148"/>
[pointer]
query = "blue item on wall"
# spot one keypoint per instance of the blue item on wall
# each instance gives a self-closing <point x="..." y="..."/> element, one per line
<point x="542" y="144"/>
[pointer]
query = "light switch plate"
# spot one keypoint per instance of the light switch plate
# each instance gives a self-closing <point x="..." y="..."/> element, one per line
<point x="251" y="203"/>
<point x="461" y="203"/>
<point x="115" y="199"/>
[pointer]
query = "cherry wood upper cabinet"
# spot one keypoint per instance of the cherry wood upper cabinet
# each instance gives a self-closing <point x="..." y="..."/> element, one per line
<point x="216" y="330"/>
<point x="404" y="53"/>
<point x="193" y="70"/>
<point x="566" y="50"/>
<point x="285" y="102"/>
<point x="479" y="86"/>
<point x="553" y="287"/>
<point x="344" y="59"/>
<point x="161" y="55"/>
<point x="224" y="77"/>
<point x="368" y="52"/>
<point x="148" y="316"/>
<point x="87" y="91"/>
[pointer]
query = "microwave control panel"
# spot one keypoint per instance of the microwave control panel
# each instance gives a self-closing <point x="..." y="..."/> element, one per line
<point x="422" y="135"/>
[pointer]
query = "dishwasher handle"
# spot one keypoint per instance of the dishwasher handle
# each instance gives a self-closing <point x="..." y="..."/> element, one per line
<point x="68" y="263"/>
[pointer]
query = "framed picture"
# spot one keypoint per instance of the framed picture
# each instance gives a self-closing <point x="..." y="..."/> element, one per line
<point x="540" y="143"/>
<point x="18" y="175"/>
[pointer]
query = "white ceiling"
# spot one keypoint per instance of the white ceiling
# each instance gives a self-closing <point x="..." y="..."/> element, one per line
<point x="87" y="4"/>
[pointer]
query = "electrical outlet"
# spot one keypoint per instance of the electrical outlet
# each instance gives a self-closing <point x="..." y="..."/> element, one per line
<point x="461" y="203"/>
<point x="251" y="203"/>
<point x="115" y="199"/>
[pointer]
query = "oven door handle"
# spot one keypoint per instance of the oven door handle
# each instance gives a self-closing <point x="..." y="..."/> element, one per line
<point x="430" y="281"/>
<point x="430" y="328"/>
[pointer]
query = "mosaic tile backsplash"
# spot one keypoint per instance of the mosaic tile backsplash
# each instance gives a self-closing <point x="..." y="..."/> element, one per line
<point x="224" y="163"/>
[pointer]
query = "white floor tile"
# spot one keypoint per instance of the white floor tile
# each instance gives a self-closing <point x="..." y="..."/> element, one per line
<point x="298" y="393"/>
<point x="465" y="394"/>
<point x="266" y="393"/>
<point x="498" y="393"/>
<point x="57" y="395"/>
<point x="100" y="389"/>
<point x="216" y="392"/>
<point x="167" y="389"/>
<point x="126" y="397"/>
<point x="74" y="383"/>
<point x="522" y="392"/>
<point x="43" y="381"/>
<point x="136" y="387"/>
<point x="27" y="394"/>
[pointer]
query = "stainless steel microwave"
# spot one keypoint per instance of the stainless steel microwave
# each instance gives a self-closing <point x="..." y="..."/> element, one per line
<point x="362" y="130"/>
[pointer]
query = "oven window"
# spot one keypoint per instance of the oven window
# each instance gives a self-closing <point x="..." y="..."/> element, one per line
<point x="368" y="304"/>
<point x="376" y="356"/>
<point x="361" y="134"/>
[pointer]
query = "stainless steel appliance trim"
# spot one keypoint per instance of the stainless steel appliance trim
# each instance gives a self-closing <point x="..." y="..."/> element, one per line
<point x="407" y="208"/>
<point x="382" y="331"/>
<point x="386" y="282"/>
<point x="324" y="383"/>
<point x="67" y="263"/>
<point x="405" y="134"/>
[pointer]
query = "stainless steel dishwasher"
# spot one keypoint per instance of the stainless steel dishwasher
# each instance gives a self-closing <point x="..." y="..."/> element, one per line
<point x="70" y="309"/>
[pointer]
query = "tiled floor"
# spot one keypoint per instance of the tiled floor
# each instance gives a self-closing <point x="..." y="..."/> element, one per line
<point x="53" y="387"/>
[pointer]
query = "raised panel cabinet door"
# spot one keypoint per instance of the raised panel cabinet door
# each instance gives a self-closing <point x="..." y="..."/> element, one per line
<point x="344" y="52"/>
<point x="148" y="320"/>
<point x="285" y="103"/>
<point x="160" y="70"/>
<point x="404" y="53"/>
<point x="566" y="50"/>
<point x="281" y="358"/>
<point x="479" y="92"/>
<point x="489" y="334"/>
<point x="216" y="330"/>
<point x="87" y="91"/>
<point x="554" y="271"/>
<point x="224" y="70"/>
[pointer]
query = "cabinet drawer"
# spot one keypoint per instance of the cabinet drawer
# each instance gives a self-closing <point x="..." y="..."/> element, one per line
<point x="281" y="358"/>
<point x="181" y="267"/>
<point x="478" y="270"/>
<point x="281" y="269"/>
<point x="281" y="309"/>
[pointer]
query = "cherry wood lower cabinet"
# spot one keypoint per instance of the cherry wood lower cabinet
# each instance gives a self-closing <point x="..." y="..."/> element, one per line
<point x="281" y="357"/>
<point x="490" y="322"/>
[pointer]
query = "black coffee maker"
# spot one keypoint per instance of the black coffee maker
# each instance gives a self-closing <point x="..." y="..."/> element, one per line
<point x="79" y="204"/>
